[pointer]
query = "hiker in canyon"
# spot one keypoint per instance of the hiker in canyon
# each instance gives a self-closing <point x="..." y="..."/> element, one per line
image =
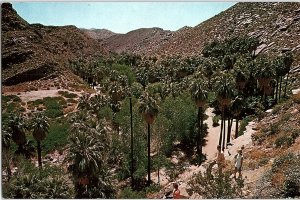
<point x="238" y="163"/>
<point x="176" y="191"/>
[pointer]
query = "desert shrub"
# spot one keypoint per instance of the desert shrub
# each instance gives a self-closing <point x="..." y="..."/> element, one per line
<point x="12" y="107"/>
<point x="296" y="98"/>
<point x="174" y="170"/>
<point x="285" y="159"/>
<point x="274" y="128"/>
<point x="53" y="113"/>
<point x="285" y="140"/>
<point x="210" y="187"/>
<point x="54" y="102"/>
<point x="7" y="98"/>
<point x="276" y="109"/>
<point x="153" y="188"/>
<point x="243" y="125"/>
<point x="67" y="94"/>
<point x="263" y="161"/>
<point x="128" y="193"/>
<point x="291" y="185"/>
<point x="216" y="120"/>
<point x="295" y="133"/>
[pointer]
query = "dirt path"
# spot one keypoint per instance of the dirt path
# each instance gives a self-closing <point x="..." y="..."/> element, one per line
<point x="210" y="150"/>
<point x="34" y="95"/>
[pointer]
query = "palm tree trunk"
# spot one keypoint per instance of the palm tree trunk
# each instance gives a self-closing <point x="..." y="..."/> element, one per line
<point x="280" y="87"/>
<point x="201" y="130"/>
<point x="222" y="124"/>
<point x="224" y="133"/>
<point x="199" y="134"/>
<point x="237" y="128"/>
<point x="39" y="150"/>
<point x="287" y="79"/>
<point x="228" y="128"/>
<point x="149" y="178"/>
<point x="131" y="133"/>
<point x="276" y="95"/>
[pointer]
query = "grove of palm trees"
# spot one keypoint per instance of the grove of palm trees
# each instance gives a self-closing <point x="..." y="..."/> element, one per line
<point x="141" y="122"/>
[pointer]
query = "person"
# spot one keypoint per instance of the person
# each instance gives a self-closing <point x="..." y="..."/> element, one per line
<point x="220" y="160"/>
<point x="238" y="163"/>
<point x="176" y="191"/>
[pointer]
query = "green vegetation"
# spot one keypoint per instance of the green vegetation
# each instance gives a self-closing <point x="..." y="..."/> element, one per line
<point x="220" y="187"/>
<point x="68" y="95"/>
<point x="216" y="120"/>
<point x="243" y="125"/>
<point x="29" y="183"/>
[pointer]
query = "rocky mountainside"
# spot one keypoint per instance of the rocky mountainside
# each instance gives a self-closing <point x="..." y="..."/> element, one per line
<point x="34" y="51"/>
<point x="99" y="33"/>
<point x="138" y="41"/>
<point x="277" y="25"/>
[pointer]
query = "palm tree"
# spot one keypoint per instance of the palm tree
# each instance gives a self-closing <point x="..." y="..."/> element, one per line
<point x="18" y="127"/>
<point x="40" y="128"/>
<point x="199" y="93"/>
<point x="224" y="88"/>
<point x="116" y="91"/>
<point x="242" y="73"/>
<point x="97" y="102"/>
<point x="265" y="72"/>
<point x="149" y="109"/>
<point x="87" y="157"/>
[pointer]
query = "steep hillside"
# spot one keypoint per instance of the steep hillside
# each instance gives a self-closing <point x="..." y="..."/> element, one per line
<point x="277" y="25"/>
<point x="34" y="51"/>
<point x="99" y="33"/>
<point x="138" y="41"/>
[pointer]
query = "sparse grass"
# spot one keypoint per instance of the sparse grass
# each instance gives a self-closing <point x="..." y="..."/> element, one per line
<point x="68" y="95"/>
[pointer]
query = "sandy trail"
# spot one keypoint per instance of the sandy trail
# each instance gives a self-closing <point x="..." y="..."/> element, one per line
<point x="34" y="95"/>
<point x="210" y="150"/>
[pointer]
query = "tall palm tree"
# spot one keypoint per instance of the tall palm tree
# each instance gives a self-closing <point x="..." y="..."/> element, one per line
<point x="224" y="87"/>
<point x="18" y="127"/>
<point x="265" y="72"/>
<point x="241" y="72"/>
<point x="149" y="109"/>
<point x="40" y="128"/>
<point x="87" y="157"/>
<point x="199" y="93"/>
